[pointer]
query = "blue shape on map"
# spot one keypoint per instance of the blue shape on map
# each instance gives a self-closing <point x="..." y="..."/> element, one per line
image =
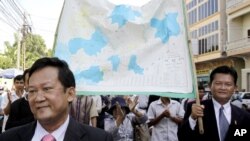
<point x="122" y="14"/>
<point x="91" y="46"/>
<point x="62" y="52"/>
<point x="166" y="27"/>
<point x="134" y="66"/>
<point x="93" y="74"/>
<point x="115" y="61"/>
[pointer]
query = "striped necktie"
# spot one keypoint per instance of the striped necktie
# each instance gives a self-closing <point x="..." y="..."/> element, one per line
<point x="223" y="124"/>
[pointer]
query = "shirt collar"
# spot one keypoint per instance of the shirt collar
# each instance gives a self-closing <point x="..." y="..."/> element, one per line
<point x="58" y="133"/>
<point x="160" y="102"/>
<point x="227" y="110"/>
<point x="227" y="106"/>
<point x="14" y="93"/>
<point x="217" y="105"/>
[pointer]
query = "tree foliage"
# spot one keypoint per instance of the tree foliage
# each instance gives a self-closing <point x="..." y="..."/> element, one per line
<point x="34" y="47"/>
<point x="5" y="62"/>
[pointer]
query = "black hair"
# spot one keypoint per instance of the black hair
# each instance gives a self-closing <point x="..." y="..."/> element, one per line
<point x="65" y="75"/>
<point x="201" y="87"/>
<point x="225" y="70"/>
<point x="24" y="74"/>
<point x="18" y="77"/>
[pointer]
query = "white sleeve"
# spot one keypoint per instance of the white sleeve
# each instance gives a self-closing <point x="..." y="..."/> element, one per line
<point x="181" y="111"/>
<point x="192" y="122"/>
<point x="143" y="101"/>
<point x="4" y="100"/>
<point x="99" y="104"/>
<point x="151" y="112"/>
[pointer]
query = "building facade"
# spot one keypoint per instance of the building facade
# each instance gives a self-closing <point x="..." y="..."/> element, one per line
<point x="207" y="24"/>
<point x="238" y="45"/>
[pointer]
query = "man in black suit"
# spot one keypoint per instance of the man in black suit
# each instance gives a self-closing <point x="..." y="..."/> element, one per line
<point x="51" y="90"/>
<point x="222" y="121"/>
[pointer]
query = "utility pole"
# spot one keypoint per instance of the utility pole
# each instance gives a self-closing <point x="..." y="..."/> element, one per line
<point x="25" y="30"/>
<point x="18" y="49"/>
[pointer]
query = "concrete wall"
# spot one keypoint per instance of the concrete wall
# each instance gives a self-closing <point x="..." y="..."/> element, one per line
<point x="239" y="64"/>
<point x="235" y="29"/>
<point x="222" y="25"/>
<point x="246" y="24"/>
<point x="245" y="84"/>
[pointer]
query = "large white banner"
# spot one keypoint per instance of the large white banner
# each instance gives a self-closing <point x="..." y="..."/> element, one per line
<point x="124" y="49"/>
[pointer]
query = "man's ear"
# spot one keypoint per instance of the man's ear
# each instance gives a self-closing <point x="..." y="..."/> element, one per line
<point x="71" y="94"/>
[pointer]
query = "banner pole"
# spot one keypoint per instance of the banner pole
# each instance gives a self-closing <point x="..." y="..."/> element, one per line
<point x="200" y="121"/>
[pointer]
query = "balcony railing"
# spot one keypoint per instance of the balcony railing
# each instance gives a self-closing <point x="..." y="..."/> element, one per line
<point x="238" y="44"/>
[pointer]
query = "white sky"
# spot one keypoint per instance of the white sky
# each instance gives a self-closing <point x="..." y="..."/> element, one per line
<point x="45" y="15"/>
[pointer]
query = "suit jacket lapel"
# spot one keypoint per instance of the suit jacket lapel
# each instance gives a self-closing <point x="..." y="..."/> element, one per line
<point x="236" y="117"/>
<point x="211" y="125"/>
<point x="27" y="133"/>
<point x="236" y="120"/>
<point x="74" y="131"/>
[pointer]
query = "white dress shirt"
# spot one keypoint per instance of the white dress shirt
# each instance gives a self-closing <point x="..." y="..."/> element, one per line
<point x="58" y="134"/>
<point x="217" y="106"/>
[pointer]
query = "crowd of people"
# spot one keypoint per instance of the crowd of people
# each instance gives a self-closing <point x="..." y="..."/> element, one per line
<point x="44" y="105"/>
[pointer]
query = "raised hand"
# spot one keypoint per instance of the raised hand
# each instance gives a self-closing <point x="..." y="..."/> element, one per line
<point x="132" y="103"/>
<point x="9" y="95"/>
<point x="197" y="111"/>
<point x="120" y="116"/>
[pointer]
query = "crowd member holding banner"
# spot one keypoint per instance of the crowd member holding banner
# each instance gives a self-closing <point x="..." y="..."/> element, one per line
<point x="185" y="101"/>
<point x="51" y="90"/>
<point x="222" y="121"/>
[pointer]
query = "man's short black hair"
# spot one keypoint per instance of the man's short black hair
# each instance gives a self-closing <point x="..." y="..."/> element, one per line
<point x="18" y="78"/>
<point x="225" y="70"/>
<point x="65" y="75"/>
<point x="24" y="73"/>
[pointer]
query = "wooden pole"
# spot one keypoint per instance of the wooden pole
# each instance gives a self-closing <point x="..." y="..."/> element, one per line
<point x="200" y="121"/>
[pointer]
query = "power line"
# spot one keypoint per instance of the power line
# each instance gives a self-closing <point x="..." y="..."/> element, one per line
<point x="10" y="15"/>
<point x="17" y="7"/>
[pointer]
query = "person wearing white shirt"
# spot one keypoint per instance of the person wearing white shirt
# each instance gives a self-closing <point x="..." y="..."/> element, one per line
<point x="98" y="103"/>
<point x="11" y="96"/>
<point x="164" y="116"/>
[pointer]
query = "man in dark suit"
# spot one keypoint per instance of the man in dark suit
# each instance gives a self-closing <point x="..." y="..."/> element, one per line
<point x="51" y="90"/>
<point x="74" y="132"/>
<point x="222" y="121"/>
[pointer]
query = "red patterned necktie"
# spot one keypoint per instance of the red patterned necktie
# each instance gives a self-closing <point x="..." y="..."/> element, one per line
<point x="48" y="137"/>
